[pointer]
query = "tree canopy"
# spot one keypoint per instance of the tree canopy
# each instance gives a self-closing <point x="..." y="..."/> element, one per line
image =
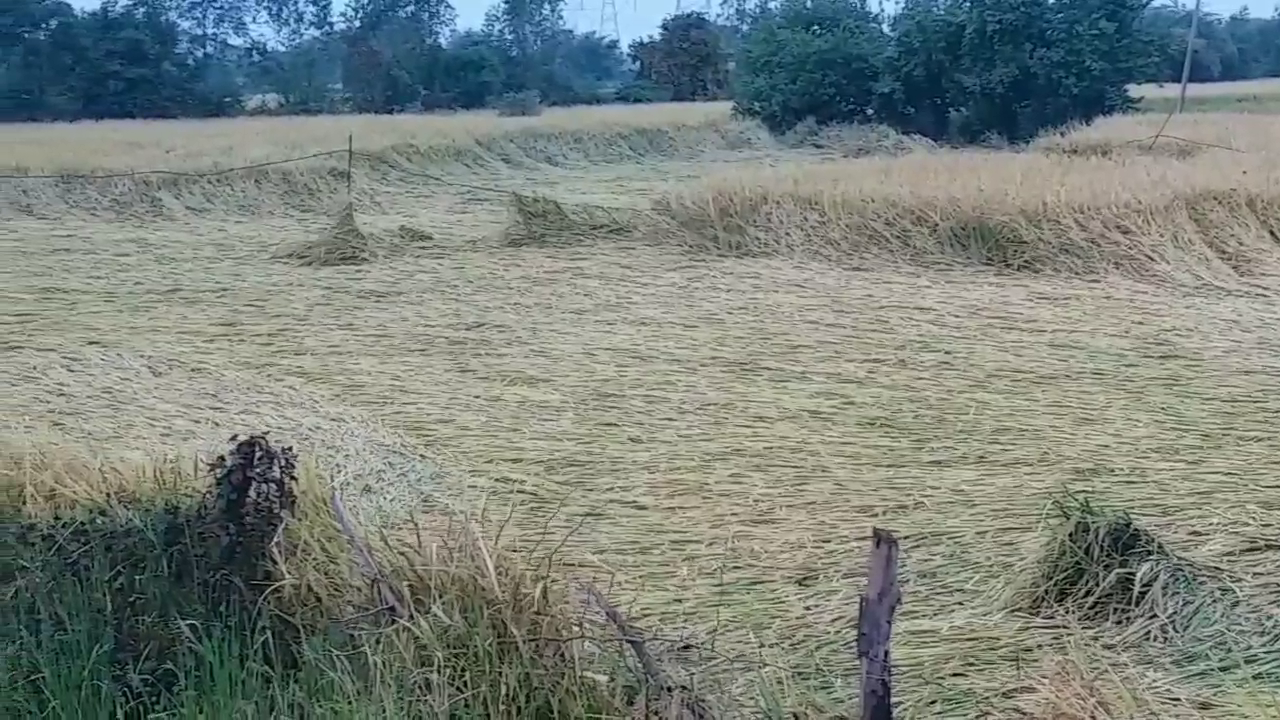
<point x="935" y="66"/>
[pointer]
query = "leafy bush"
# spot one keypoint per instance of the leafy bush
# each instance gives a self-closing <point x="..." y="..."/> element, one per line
<point x="817" y="59"/>
<point x="250" y="602"/>
<point x="957" y="70"/>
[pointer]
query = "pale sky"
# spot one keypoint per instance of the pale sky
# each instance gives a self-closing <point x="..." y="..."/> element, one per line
<point x="637" y="18"/>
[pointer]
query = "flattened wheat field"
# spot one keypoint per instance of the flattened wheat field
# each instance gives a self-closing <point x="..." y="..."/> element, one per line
<point x="705" y="362"/>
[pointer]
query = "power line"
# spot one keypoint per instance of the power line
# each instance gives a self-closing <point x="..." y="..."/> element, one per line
<point x="351" y="153"/>
<point x="178" y="173"/>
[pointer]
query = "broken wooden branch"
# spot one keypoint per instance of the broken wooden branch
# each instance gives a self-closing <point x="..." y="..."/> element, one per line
<point x="680" y="699"/>
<point x="875" y="626"/>
<point x="364" y="559"/>
<point x="652" y="671"/>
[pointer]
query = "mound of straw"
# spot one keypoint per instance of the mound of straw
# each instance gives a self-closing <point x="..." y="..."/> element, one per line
<point x="540" y="221"/>
<point x="853" y="141"/>
<point x="1102" y="566"/>
<point x="343" y="244"/>
<point x="346" y="243"/>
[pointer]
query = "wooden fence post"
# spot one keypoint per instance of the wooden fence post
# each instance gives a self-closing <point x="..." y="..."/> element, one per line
<point x="351" y="159"/>
<point x="875" y="625"/>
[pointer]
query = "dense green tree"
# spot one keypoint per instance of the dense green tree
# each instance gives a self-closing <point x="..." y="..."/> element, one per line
<point x="686" y="60"/>
<point x="919" y="89"/>
<point x="303" y="74"/>
<point x="38" y="41"/>
<point x="957" y="70"/>
<point x="295" y="21"/>
<point x="1093" y="50"/>
<point x="528" y="32"/>
<point x="393" y="51"/>
<point x="819" y="59"/>
<point x="1238" y="47"/>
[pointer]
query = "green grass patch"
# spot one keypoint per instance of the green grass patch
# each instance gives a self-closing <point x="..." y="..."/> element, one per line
<point x="246" y="602"/>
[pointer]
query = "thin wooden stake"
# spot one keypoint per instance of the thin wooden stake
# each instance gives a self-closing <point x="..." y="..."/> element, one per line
<point x="351" y="155"/>
<point x="875" y="626"/>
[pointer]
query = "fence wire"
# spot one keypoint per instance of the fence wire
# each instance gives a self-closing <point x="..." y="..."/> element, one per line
<point x="1151" y="139"/>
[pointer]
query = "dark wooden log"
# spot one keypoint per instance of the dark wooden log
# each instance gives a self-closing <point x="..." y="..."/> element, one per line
<point x="875" y="626"/>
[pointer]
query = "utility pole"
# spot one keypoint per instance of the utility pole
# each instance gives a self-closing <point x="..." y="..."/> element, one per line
<point x="1186" y="60"/>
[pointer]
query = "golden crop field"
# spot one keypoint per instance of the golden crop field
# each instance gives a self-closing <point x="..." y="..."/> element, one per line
<point x="1260" y="86"/>
<point x="704" y="363"/>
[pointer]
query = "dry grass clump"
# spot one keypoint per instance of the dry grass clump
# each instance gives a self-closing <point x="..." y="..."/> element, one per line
<point x="1087" y="683"/>
<point x="1104" y="149"/>
<point x="345" y="243"/>
<point x="1102" y="566"/>
<point x="541" y="221"/>
<point x="258" y="601"/>
<point x="413" y="235"/>
<point x="1214" y="219"/>
<point x="854" y="140"/>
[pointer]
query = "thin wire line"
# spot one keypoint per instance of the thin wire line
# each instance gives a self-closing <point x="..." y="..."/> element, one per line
<point x="1199" y="143"/>
<point x="430" y="176"/>
<point x="257" y="166"/>
<point x="437" y="178"/>
<point x="176" y="173"/>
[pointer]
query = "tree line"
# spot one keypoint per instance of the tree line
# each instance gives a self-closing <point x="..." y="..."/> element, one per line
<point x="777" y="59"/>
<point x="1234" y="47"/>
<point x="966" y="71"/>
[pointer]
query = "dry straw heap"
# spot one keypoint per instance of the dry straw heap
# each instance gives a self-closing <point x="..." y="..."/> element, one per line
<point x="346" y="243"/>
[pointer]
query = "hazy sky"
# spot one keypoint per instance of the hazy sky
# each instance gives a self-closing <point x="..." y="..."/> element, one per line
<point x="637" y="18"/>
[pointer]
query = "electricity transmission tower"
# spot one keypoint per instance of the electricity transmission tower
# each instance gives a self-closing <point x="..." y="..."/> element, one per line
<point x="609" y="19"/>
<point x="702" y="6"/>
